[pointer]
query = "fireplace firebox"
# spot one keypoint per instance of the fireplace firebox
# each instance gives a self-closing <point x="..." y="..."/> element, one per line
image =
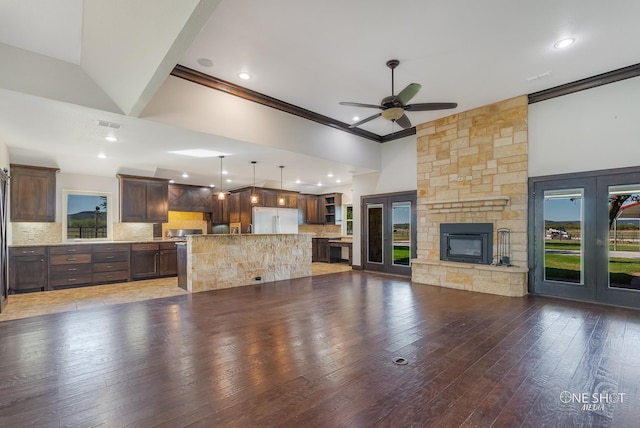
<point x="466" y="242"/>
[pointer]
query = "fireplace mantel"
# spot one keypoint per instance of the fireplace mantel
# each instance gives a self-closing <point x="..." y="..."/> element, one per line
<point x="495" y="203"/>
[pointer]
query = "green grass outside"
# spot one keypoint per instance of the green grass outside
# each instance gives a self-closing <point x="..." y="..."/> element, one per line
<point x="575" y="245"/>
<point x="401" y="255"/>
<point x="562" y="267"/>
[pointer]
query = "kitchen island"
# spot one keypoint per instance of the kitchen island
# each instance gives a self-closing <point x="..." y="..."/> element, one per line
<point x="223" y="261"/>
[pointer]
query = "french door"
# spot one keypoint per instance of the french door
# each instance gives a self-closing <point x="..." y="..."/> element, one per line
<point x="585" y="237"/>
<point x="389" y="232"/>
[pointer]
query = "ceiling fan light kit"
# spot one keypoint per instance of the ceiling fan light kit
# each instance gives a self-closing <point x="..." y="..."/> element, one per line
<point x="393" y="107"/>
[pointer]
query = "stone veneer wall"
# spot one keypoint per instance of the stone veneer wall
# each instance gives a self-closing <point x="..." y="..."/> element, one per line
<point x="36" y="233"/>
<point x="225" y="261"/>
<point x="472" y="167"/>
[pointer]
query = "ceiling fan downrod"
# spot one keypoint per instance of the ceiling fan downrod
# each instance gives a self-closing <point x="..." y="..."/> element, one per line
<point x="392" y="64"/>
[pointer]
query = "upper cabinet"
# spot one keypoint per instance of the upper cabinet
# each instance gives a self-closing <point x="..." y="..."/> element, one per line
<point x="183" y="197"/>
<point x="143" y="200"/>
<point x="33" y="193"/>
<point x="331" y="208"/>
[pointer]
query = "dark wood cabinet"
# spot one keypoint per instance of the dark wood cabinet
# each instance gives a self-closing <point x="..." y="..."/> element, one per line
<point x="269" y="198"/>
<point x="28" y="268"/>
<point x="190" y="198"/>
<point x="220" y="211"/>
<point x="33" y="193"/>
<point x="168" y="259"/>
<point x="233" y="204"/>
<point x="144" y="200"/>
<point x="111" y="263"/>
<point x="320" y="250"/>
<point x="331" y="208"/>
<point x="313" y="210"/>
<point x="145" y="260"/>
<point x="69" y="266"/>
<point x="151" y="260"/>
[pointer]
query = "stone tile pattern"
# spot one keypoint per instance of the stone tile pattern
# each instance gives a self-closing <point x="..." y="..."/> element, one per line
<point x="473" y="168"/>
<point x="225" y="261"/>
<point x="36" y="233"/>
<point x="132" y="231"/>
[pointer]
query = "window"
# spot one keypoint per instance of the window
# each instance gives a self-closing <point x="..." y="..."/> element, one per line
<point x="348" y="223"/>
<point x="86" y="215"/>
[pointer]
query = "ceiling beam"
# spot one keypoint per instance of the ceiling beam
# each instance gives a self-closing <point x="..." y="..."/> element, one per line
<point x="247" y="94"/>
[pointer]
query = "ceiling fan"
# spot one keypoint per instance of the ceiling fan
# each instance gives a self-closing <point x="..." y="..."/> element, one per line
<point x="394" y="106"/>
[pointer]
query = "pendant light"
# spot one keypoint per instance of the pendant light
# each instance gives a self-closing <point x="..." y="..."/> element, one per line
<point x="221" y="194"/>
<point x="281" y="199"/>
<point x="254" y="197"/>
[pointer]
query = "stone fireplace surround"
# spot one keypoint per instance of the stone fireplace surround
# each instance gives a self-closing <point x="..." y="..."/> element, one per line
<point x="472" y="168"/>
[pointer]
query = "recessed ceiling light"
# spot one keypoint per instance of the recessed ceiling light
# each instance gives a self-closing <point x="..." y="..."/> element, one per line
<point x="298" y="181"/>
<point x="185" y="175"/>
<point x="560" y="44"/>
<point x="111" y="138"/>
<point x="228" y="180"/>
<point x="225" y="172"/>
<point x="102" y="156"/>
<point x="356" y="118"/>
<point x="338" y="181"/>
<point x="205" y="62"/>
<point x="244" y="75"/>
<point x="212" y="185"/>
<point x="199" y="153"/>
<point x="319" y="183"/>
<point x="330" y="175"/>
<point x="172" y="181"/>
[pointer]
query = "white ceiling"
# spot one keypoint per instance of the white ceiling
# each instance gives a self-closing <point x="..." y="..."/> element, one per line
<point x="309" y="54"/>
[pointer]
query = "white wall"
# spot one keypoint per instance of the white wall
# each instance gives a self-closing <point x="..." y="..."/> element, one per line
<point x="589" y="130"/>
<point x="398" y="174"/>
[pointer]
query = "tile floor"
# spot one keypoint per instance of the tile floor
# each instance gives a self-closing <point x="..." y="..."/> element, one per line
<point x="73" y="299"/>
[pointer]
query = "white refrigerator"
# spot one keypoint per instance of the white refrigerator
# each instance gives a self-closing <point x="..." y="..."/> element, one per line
<point x="274" y="220"/>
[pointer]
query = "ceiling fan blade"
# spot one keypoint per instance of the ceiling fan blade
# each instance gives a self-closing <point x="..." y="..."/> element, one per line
<point x="404" y="122"/>
<point x="365" y="120"/>
<point x="430" y="106"/>
<point x="344" y="103"/>
<point x="407" y="93"/>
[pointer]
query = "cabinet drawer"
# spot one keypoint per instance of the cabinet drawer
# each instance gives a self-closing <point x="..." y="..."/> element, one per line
<point x="110" y="267"/>
<point x="145" y="247"/>
<point x="72" y="270"/>
<point x="70" y="249"/>
<point x="108" y="248"/>
<point x="168" y="246"/>
<point x="70" y="259"/>
<point x="63" y="280"/>
<point x="110" y="257"/>
<point x="111" y="276"/>
<point x="27" y="251"/>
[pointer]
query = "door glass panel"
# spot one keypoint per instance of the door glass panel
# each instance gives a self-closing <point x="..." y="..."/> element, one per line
<point x="375" y="241"/>
<point x="563" y="247"/>
<point x="401" y="223"/>
<point x="624" y="236"/>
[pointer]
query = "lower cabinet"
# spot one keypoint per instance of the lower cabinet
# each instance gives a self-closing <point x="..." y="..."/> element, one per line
<point x="320" y="250"/>
<point x="69" y="266"/>
<point x="28" y="269"/>
<point x="41" y="268"/>
<point x="152" y="260"/>
<point x="145" y="261"/>
<point x="111" y="263"/>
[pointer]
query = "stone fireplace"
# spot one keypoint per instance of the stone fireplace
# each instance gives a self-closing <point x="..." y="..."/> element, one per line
<point x="472" y="168"/>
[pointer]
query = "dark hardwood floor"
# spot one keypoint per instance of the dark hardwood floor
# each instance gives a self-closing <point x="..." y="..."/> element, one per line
<point x="317" y="352"/>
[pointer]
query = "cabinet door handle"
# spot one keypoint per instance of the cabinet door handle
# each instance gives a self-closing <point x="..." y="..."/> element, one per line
<point x="28" y="252"/>
<point x="71" y="269"/>
<point x="71" y="279"/>
<point x="109" y="266"/>
<point x="71" y="259"/>
<point x="110" y="257"/>
<point x="71" y="250"/>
